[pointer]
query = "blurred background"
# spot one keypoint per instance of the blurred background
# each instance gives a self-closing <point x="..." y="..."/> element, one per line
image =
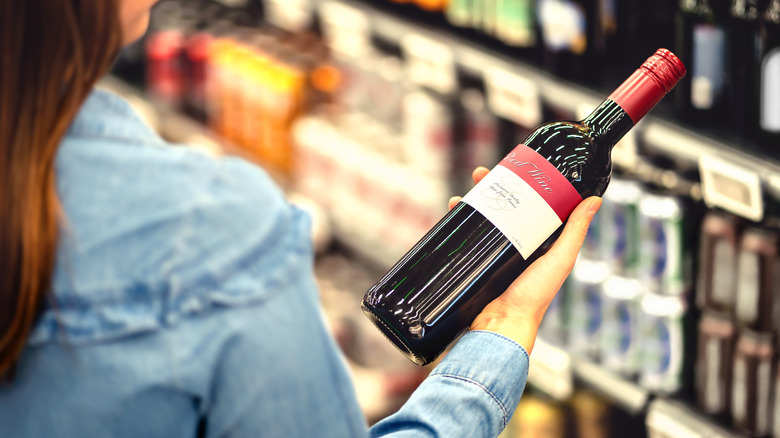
<point x="372" y="113"/>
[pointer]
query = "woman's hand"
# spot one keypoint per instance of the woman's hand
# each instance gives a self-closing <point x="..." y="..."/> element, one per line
<point x="518" y="312"/>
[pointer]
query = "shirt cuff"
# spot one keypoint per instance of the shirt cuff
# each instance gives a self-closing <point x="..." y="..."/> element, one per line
<point x="492" y="362"/>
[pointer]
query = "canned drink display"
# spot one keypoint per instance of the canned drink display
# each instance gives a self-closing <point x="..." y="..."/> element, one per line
<point x="663" y="340"/>
<point x="585" y="292"/>
<point x="619" y="340"/>
<point x="663" y="256"/>
<point x="620" y="215"/>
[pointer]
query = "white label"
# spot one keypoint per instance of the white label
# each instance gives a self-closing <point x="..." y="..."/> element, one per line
<point x="723" y="273"/>
<point x="708" y="76"/>
<point x="515" y="208"/>
<point x="748" y="287"/>
<point x="346" y="29"/>
<point x="776" y="415"/>
<point x="764" y="384"/>
<point x="739" y="392"/>
<point x="731" y="187"/>
<point x="429" y="63"/>
<point x="513" y="97"/>
<point x="770" y="92"/>
<point x="713" y="400"/>
<point x="292" y="15"/>
<point x="563" y="25"/>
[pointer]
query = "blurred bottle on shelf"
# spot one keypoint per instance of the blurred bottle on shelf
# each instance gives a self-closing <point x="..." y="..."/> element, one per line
<point x="769" y="79"/>
<point x="743" y="67"/>
<point x="714" y="360"/>
<point x="716" y="283"/>
<point x="479" y="135"/>
<point x="565" y="26"/>
<point x="758" y="280"/>
<point x="751" y="395"/>
<point x="702" y="41"/>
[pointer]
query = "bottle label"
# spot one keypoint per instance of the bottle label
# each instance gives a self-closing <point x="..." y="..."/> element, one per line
<point x="748" y="288"/>
<point x="770" y="92"/>
<point x="723" y="273"/>
<point x="525" y="197"/>
<point x="739" y="389"/>
<point x="563" y="25"/>
<point x="713" y="387"/>
<point x="707" y="81"/>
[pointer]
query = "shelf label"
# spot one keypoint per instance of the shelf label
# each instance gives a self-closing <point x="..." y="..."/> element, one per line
<point x="429" y="63"/>
<point x="673" y="420"/>
<point x="624" y="154"/>
<point x="346" y="28"/>
<point x="292" y="15"/>
<point x="731" y="187"/>
<point x="513" y="97"/>
<point x="550" y="370"/>
<point x="233" y="3"/>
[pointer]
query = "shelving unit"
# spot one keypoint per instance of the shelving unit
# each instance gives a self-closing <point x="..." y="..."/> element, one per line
<point x="718" y="162"/>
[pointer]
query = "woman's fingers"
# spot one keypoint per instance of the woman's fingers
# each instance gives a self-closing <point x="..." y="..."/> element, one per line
<point x="453" y="202"/>
<point x="479" y="173"/>
<point x="564" y="251"/>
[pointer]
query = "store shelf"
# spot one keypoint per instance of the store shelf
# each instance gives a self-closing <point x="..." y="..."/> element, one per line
<point x="554" y="371"/>
<point x="672" y="419"/>
<point x="628" y="395"/>
<point x="686" y="147"/>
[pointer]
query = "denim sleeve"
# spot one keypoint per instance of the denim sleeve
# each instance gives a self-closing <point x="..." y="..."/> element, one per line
<point x="472" y="393"/>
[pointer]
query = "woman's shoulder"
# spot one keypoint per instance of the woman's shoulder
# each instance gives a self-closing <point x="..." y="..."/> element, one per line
<point x="163" y="227"/>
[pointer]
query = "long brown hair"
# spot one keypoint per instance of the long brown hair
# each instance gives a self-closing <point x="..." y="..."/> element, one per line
<point x="52" y="52"/>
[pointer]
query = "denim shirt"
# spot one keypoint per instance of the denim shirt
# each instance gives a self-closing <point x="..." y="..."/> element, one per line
<point x="184" y="305"/>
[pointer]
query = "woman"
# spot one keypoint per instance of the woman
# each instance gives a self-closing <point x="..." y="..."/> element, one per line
<point x="151" y="291"/>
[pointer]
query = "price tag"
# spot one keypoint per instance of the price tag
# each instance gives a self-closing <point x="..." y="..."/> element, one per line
<point x="624" y="154"/>
<point x="429" y="63"/>
<point x="513" y="97"/>
<point x="550" y="370"/>
<point x="673" y="420"/>
<point x="731" y="187"/>
<point x="233" y="3"/>
<point x="346" y="29"/>
<point x="292" y="15"/>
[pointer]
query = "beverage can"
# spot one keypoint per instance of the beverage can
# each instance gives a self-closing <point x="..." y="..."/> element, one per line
<point x="620" y="341"/>
<point x="663" y="256"/>
<point x="586" y="283"/>
<point x="620" y="215"/>
<point x="662" y="332"/>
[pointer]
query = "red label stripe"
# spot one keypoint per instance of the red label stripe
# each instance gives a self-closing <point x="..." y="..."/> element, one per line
<point x="544" y="178"/>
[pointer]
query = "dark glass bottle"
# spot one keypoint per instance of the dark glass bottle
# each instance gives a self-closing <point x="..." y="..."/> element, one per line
<point x="567" y="29"/>
<point x="744" y="46"/>
<point x="702" y="45"/>
<point x="769" y="80"/>
<point x="472" y="255"/>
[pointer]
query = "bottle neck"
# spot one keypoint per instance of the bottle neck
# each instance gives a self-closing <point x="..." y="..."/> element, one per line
<point x="608" y="123"/>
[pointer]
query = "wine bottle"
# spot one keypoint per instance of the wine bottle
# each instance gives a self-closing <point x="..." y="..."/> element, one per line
<point x="505" y="222"/>
<point x="702" y="44"/>
<point x="769" y="82"/>
<point x="745" y="48"/>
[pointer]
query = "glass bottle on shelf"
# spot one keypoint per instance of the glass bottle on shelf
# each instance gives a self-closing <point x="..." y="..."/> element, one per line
<point x="769" y="80"/>
<point x="702" y="44"/>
